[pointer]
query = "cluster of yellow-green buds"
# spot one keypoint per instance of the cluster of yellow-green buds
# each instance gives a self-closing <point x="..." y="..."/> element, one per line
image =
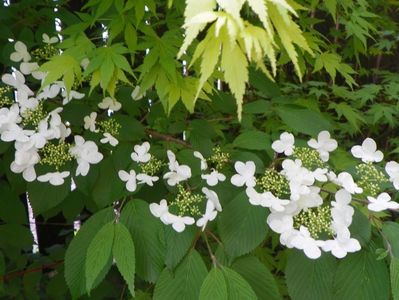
<point x="317" y="220"/>
<point x="273" y="182"/>
<point x="219" y="159"/>
<point x="370" y="178"/>
<point x="5" y="100"/>
<point x="310" y="157"/>
<point x="55" y="155"/>
<point x="34" y="116"/>
<point x="186" y="202"/>
<point x="111" y="126"/>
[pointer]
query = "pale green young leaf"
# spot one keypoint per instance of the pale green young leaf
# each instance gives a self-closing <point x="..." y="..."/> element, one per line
<point x="98" y="255"/>
<point x="260" y="8"/>
<point x="214" y="286"/>
<point x="235" y="66"/>
<point x="331" y="6"/>
<point x="124" y="255"/>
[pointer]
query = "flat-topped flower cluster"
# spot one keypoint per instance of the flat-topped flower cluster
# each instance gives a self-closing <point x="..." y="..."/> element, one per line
<point x="311" y="205"/>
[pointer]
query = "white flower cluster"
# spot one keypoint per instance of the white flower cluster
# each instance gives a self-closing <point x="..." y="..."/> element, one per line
<point x="176" y="174"/>
<point x="302" y="215"/>
<point x="48" y="126"/>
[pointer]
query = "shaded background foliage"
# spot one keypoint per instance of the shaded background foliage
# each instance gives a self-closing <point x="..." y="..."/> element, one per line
<point x="353" y="102"/>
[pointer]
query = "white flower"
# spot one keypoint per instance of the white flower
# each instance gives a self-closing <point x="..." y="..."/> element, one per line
<point x="48" y="40"/>
<point x="15" y="133"/>
<point x="160" y="210"/>
<point x="67" y="97"/>
<point x="54" y="178"/>
<point x="178" y="222"/>
<point x="342" y="244"/>
<point x="280" y="222"/>
<point x="137" y="94"/>
<point x="177" y="172"/>
<point x="86" y="153"/>
<point x="367" y="152"/>
<point x="245" y="176"/>
<point x="311" y="199"/>
<point x="265" y="199"/>
<point x="21" y="53"/>
<point x="27" y="68"/>
<point x="392" y="169"/>
<point x="90" y="122"/>
<point x="341" y="211"/>
<point x="129" y="178"/>
<point x="285" y="144"/>
<point x="324" y="144"/>
<point x="382" y="203"/>
<point x="140" y="153"/>
<point x="345" y="180"/>
<point x="213" y="178"/>
<point x="210" y="215"/>
<point x="108" y="138"/>
<point x="24" y="163"/>
<point x="50" y="91"/>
<point x="147" y="179"/>
<point x="109" y="103"/>
<point x="84" y="63"/>
<point x="299" y="178"/>
<point x="17" y="81"/>
<point x="204" y="165"/>
<point x="305" y="242"/>
<point x="213" y="197"/>
<point x="320" y="174"/>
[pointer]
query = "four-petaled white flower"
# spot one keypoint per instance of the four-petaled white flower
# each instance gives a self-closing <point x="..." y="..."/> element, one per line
<point x="324" y="145"/>
<point x="21" y="53"/>
<point x="204" y="165"/>
<point x="160" y="210"/>
<point x="245" y="176"/>
<point x="381" y="203"/>
<point x="147" y="179"/>
<point x="17" y="81"/>
<point x="108" y="138"/>
<point x="140" y="153"/>
<point x="49" y="40"/>
<point x="209" y="215"/>
<point x="213" y="178"/>
<point x="90" y="122"/>
<point x="392" y="169"/>
<point x="367" y="152"/>
<point x="129" y="178"/>
<point x="285" y="144"/>
<point x="345" y="180"/>
<point x="86" y="153"/>
<point x="179" y="222"/>
<point x="109" y="103"/>
<point x="305" y="242"/>
<point x="177" y="172"/>
<point x="54" y="178"/>
<point x="213" y="197"/>
<point x="342" y="244"/>
<point x="266" y="199"/>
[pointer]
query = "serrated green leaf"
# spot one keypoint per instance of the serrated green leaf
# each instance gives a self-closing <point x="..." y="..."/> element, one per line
<point x="124" y="255"/>
<point x="253" y="140"/>
<point x="258" y="276"/>
<point x="237" y="287"/>
<point x="242" y="226"/>
<point x="309" y="279"/>
<point x="394" y="271"/>
<point x="214" y="286"/>
<point x="12" y="210"/>
<point x="75" y="256"/>
<point x="361" y="276"/>
<point x="99" y="253"/>
<point x="147" y="234"/>
<point x="391" y="232"/>
<point x="185" y="283"/>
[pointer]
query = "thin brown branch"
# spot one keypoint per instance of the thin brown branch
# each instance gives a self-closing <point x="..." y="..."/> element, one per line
<point x="15" y="274"/>
<point x="167" y="138"/>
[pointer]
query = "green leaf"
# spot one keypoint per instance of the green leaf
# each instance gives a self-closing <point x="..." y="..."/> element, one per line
<point x="12" y="210"/>
<point x="147" y="232"/>
<point x="303" y="120"/>
<point x="253" y="140"/>
<point x="360" y="228"/>
<point x="394" y="270"/>
<point x="185" y="283"/>
<point x="214" y="286"/>
<point x="258" y="276"/>
<point x="75" y="256"/>
<point x="242" y="226"/>
<point x="44" y="196"/>
<point x="123" y="252"/>
<point x="391" y="232"/>
<point x="15" y="235"/>
<point x="309" y="279"/>
<point x="237" y="287"/>
<point x="2" y="271"/>
<point x="177" y="244"/>
<point x="99" y="253"/>
<point x="361" y="276"/>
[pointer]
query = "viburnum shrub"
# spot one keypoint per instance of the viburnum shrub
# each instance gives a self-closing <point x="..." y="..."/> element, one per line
<point x="200" y="150"/>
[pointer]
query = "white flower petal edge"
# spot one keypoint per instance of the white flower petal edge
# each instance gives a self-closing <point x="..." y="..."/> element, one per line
<point x="324" y="145"/>
<point x="381" y="203"/>
<point x="54" y="178"/>
<point x="392" y="169"/>
<point x="129" y="178"/>
<point x="285" y="144"/>
<point x="367" y="152"/>
<point x="245" y="176"/>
